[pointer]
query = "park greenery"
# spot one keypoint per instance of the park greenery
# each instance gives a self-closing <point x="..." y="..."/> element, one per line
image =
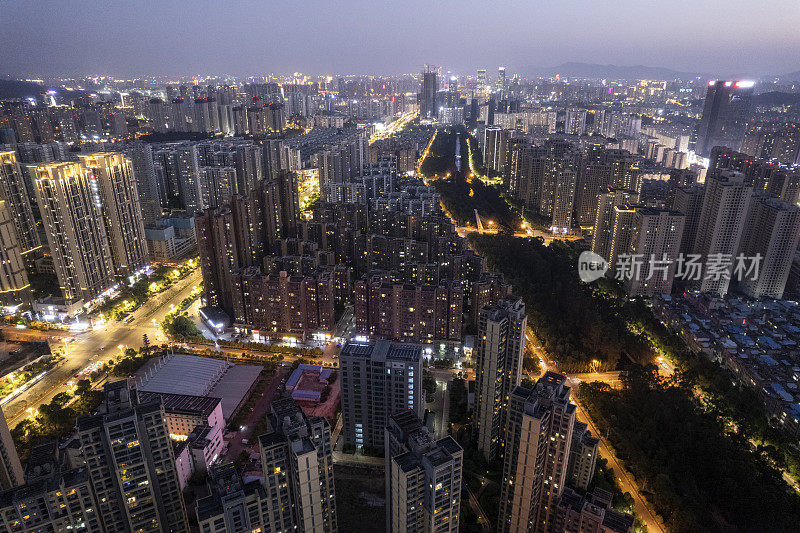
<point x="562" y="311"/>
<point x="429" y="386"/>
<point x="439" y="162"/>
<point x="656" y="426"/>
<point x="700" y="475"/>
<point x="180" y="326"/>
<point x="21" y="320"/>
<point x="131" y="296"/>
<point x="461" y="198"/>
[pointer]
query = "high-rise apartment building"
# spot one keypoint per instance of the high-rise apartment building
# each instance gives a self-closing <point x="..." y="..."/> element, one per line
<point x="224" y="249"/>
<point x="232" y="505"/>
<point x="14" y="284"/>
<point x="689" y="201"/>
<point x="112" y="175"/>
<point x="379" y="379"/>
<point x="604" y="222"/>
<point x="423" y="477"/>
<point x="499" y="349"/>
<point x="408" y="312"/>
<point x="15" y="191"/>
<point x="54" y="497"/>
<point x="481" y="83"/>
<point x="296" y="456"/>
<point x="494" y="148"/>
<point x="274" y="305"/>
<point x="69" y="201"/>
<point x="181" y="167"/>
<point x="538" y="436"/>
<point x="575" y="121"/>
<point x="591" y="512"/>
<point x="217" y="184"/>
<point x="621" y="234"/>
<point x="147" y="185"/>
<point x="11" y="473"/>
<point x="131" y="464"/>
<point x="655" y="239"/>
<point x="274" y="207"/>
<point x="559" y="182"/>
<point x="487" y="291"/>
<point x="594" y="178"/>
<point x="772" y="231"/>
<point x="582" y="456"/>
<point x="502" y="84"/>
<point x="725" y="205"/>
<point x="726" y="113"/>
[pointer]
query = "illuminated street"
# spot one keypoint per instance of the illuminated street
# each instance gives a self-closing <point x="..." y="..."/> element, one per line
<point x="101" y="345"/>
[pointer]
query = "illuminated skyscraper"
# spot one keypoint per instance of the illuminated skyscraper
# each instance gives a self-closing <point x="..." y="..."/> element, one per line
<point x="501" y="80"/>
<point x="427" y="98"/>
<point x="725" y="205"/>
<point x="378" y="379"/>
<point x="538" y="438"/>
<point x="14" y="285"/>
<point x="726" y="112"/>
<point x="604" y="221"/>
<point x="481" y="86"/>
<point x="494" y="148"/>
<point x="655" y="234"/>
<point x="16" y="193"/>
<point x="122" y="214"/>
<point x="423" y="477"/>
<point x="69" y="201"/>
<point x="147" y="185"/>
<point x="500" y="347"/>
<point x="131" y="463"/>
<point x="772" y="230"/>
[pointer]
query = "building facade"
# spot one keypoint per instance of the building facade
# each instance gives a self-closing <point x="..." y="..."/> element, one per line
<point x="69" y="201"/>
<point x="122" y="212"/>
<point x="131" y="464"/>
<point x="538" y="438"/>
<point x="423" y="477"/>
<point x="499" y="349"/>
<point x="378" y="379"/>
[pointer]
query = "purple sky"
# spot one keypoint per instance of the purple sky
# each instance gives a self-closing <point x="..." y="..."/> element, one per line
<point x="176" y="37"/>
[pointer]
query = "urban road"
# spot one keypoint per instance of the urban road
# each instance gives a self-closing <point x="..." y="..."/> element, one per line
<point x="100" y="345"/>
<point x="644" y="509"/>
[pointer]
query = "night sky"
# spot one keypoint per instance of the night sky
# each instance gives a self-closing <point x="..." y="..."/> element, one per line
<point x="123" y="38"/>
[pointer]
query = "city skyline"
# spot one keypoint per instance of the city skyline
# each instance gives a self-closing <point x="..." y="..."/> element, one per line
<point x="480" y="296"/>
<point x="253" y="38"/>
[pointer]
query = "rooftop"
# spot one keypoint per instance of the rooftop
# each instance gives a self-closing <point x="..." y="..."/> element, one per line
<point x="189" y="375"/>
<point x="182" y="403"/>
<point x="383" y="350"/>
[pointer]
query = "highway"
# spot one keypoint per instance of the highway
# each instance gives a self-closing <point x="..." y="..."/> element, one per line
<point x="100" y="345"/>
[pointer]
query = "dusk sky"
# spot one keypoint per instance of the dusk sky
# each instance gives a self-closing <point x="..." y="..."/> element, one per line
<point x="42" y="37"/>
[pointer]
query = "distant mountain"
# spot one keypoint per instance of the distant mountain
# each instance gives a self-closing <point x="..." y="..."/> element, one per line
<point x="591" y="70"/>
<point x="791" y="76"/>
<point x="775" y="98"/>
<point x="19" y="89"/>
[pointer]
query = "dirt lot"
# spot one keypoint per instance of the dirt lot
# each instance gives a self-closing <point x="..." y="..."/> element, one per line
<point x="359" y="490"/>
